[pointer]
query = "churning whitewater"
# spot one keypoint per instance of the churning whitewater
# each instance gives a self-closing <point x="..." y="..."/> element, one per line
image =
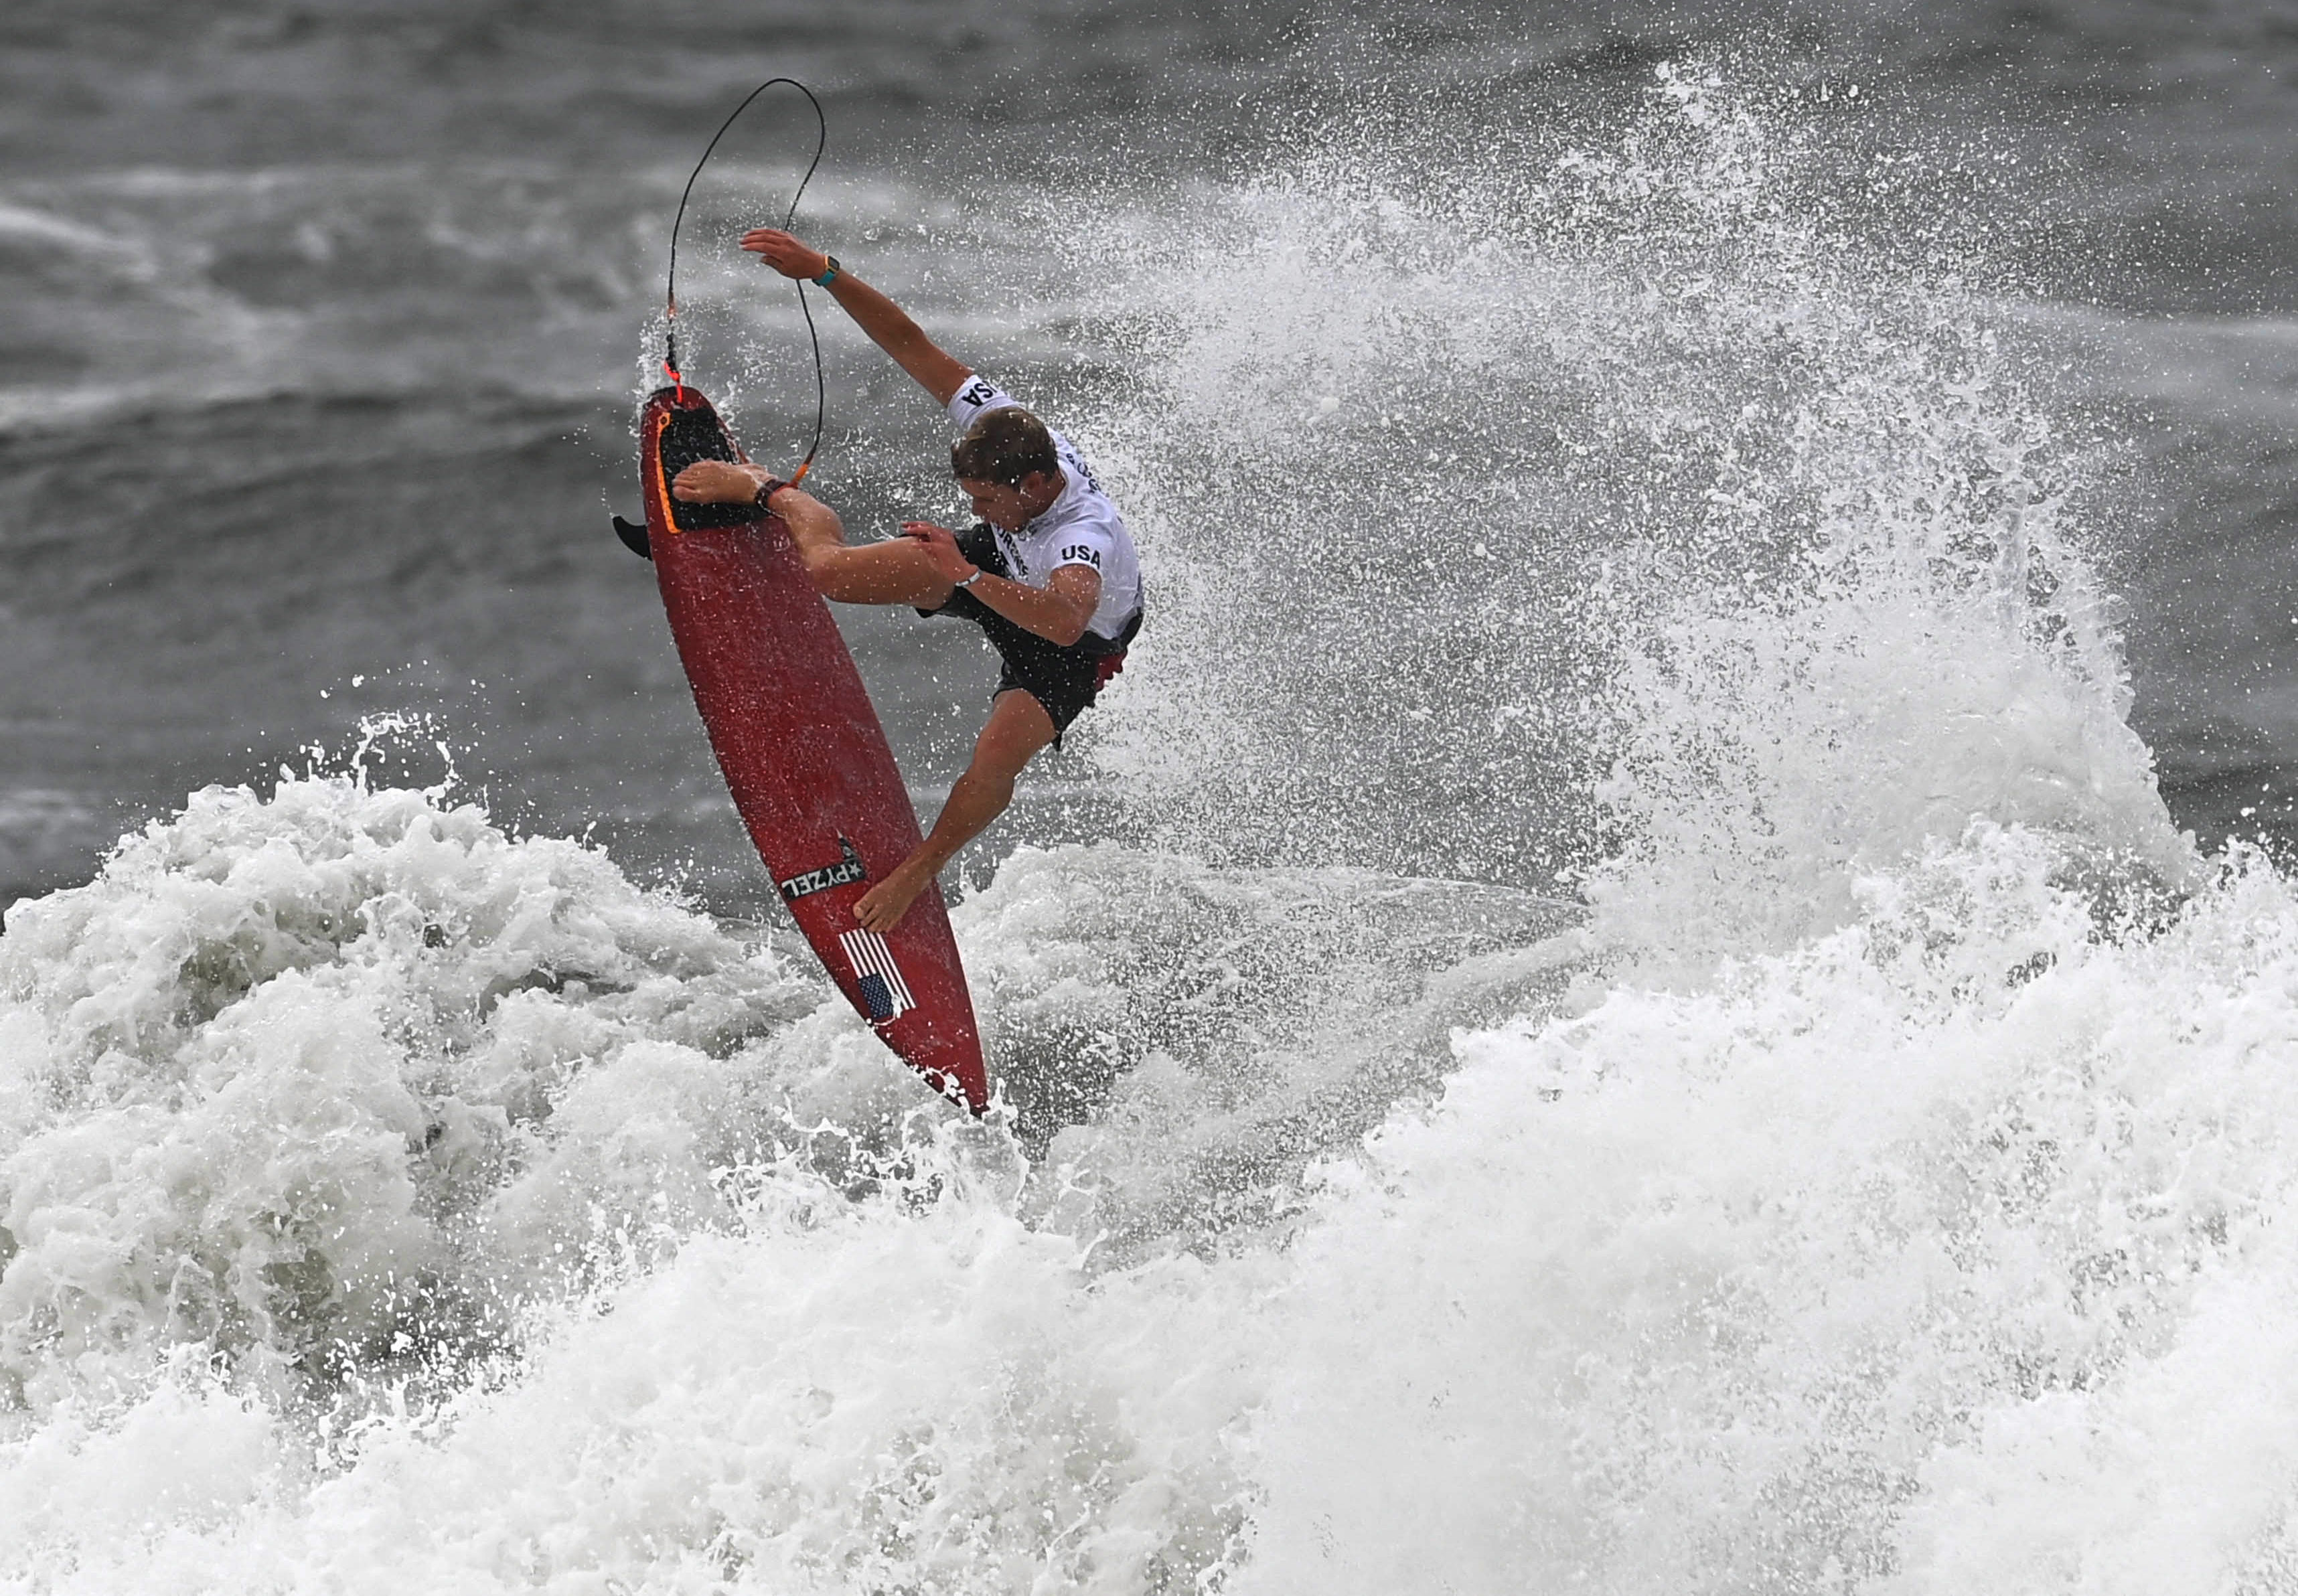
<point x="1637" y="1024"/>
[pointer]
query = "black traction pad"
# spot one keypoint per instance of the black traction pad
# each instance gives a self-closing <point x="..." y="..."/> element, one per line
<point x="691" y="436"/>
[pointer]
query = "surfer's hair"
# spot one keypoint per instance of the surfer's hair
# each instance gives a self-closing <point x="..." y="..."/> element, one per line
<point x="1003" y="446"/>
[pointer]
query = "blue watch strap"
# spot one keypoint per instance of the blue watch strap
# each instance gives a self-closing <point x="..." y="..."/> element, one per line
<point x="830" y="275"/>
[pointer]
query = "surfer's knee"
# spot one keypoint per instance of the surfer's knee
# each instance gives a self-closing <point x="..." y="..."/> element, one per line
<point x="814" y="527"/>
<point x="993" y="796"/>
<point x="988" y="783"/>
<point x="1018" y="728"/>
<point x="993" y="771"/>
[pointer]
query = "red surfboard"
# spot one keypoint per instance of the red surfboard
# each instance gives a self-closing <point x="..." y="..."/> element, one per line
<point x="809" y="766"/>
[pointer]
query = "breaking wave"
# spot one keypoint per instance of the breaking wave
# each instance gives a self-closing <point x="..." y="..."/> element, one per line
<point x="1646" y="1028"/>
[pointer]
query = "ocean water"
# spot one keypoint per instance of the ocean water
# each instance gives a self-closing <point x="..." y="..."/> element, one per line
<point x="1672" y="969"/>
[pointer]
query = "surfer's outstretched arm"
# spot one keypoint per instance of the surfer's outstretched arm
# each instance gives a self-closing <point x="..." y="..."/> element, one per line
<point x="888" y="325"/>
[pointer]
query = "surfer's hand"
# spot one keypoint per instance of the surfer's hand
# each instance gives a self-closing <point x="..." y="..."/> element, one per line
<point x="719" y="481"/>
<point x="792" y="256"/>
<point x="942" y="552"/>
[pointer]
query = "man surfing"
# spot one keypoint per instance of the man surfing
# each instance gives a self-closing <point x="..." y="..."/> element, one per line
<point x="1049" y="575"/>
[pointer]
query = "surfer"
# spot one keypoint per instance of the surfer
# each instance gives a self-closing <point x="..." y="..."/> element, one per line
<point x="1049" y="573"/>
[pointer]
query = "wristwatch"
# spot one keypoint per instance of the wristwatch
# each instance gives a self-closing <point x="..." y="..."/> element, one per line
<point x="768" y="490"/>
<point x="978" y="574"/>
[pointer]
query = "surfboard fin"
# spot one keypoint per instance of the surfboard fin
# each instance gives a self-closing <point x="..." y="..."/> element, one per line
<point x="635" y="537"/>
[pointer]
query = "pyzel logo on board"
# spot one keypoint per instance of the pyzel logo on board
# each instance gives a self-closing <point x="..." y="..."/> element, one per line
<point x="808" y="882"/>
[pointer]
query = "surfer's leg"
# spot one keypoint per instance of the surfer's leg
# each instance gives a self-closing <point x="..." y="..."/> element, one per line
<point x="889" y="572"/>
<point x="1017" y="728"/>
<point x="898" y="572"/>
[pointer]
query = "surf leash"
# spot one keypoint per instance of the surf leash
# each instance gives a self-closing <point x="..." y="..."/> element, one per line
<point x="670" y="285"/>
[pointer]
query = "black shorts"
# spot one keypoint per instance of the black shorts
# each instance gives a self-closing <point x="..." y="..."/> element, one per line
<point x="1063" y="680"/>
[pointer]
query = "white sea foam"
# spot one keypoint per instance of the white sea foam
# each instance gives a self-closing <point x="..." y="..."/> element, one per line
<point x="1882" y="1186"/>
<point x="1940" y="1254"/>
<point x="1943" y="1244"/>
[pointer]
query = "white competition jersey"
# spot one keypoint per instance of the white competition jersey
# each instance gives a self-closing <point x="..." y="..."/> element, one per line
<point x="1080" y="528"/>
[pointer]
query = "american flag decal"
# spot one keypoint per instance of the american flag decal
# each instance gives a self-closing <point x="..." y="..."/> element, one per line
<point x="884" y="993"/>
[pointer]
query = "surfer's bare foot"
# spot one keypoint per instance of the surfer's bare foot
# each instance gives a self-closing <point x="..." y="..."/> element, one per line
<point x="880" y="909"/>
<point x="719" y="481"/>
